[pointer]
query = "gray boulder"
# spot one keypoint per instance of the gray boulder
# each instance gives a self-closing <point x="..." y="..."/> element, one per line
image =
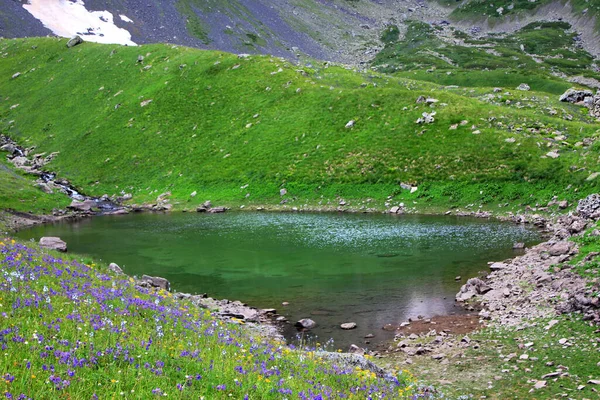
<point x="575" y="96"/>
<point x="524" y="87"/>
<point x="157" y="281"/>
<point x="74" y="41"/>
<point x="217" y="210"/>
<point x="53" y="243"/>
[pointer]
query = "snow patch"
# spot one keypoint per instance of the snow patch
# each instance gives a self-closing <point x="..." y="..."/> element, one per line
<point x="125" y="18"/>
<point x="70" y="17"/>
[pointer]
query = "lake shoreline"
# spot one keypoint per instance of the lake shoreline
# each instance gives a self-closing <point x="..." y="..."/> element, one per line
<point x="539" y="284"/>
<point x="533" y="220"/>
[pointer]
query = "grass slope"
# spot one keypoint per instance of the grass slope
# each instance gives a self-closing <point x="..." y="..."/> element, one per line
<point x="236" y="130"/>
<point x="69" y="329"/>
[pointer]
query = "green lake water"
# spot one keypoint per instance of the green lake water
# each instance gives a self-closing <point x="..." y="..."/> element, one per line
<point x="333" y="268"/>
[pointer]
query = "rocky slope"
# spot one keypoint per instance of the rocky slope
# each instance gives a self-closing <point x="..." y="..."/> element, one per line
<point x="347" y="31"/>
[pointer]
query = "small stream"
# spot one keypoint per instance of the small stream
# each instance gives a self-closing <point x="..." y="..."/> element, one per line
<point x="333" y="268"/>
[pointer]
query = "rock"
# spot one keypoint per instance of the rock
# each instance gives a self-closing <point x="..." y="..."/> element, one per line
<point x="464" y="296"/>
<point x="348" y="325"/>
<point x="420" y="99"/>
<point x="84" y="206"/>
<point x="539" y="384"/>
<point x="305" y="323"/>
<point x="157" y="281"/>
<point x="350" y="124"/>
<point x="575" y="96"/>
<point x="20" y="162"/>
<point x="116" y="269"/>
<point x="428" y="118"/>
<point x="9" y="148"/>
<point x="551" y="375"/>
<point x="16" y="75"/>
<point x="577" y="226"/>
<point x="458" y="278"/>
<point x="551" y="324"/>
<point x="497" y="266"/>
<point x="44" y="187"/>
<point x="74" y="41"/>
<point x="593" y="176"/>
<point x="193" y="194"/>
<point x="53" y="243"/>
<point x="518" y="246"/>
<point x="552" y="154"/>
<point x="438" y="356"/>
<point x="394" y="210"/>
<point x="588" y="206"/>
<point x="369" y="336"/>
<point x="282" y="192"/>
<point x="524" y="87"/>
<point x="559" y="249"/>
<point x="563" y="204"/>
<point x="562" y="341"/>
<point x="594" y="382"/>
<point x="120" y="211"/>
<point x="217" y="210"/>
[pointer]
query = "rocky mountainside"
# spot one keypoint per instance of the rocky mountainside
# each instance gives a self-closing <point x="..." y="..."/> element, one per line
<point x="347" y="31"/>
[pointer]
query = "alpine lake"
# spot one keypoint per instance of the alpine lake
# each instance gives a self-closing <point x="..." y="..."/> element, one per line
<point x="371" y="269"/>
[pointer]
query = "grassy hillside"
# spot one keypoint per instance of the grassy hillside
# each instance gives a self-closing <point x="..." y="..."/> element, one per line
<point x="73" y="330"/>
<point x="236" y="130"/>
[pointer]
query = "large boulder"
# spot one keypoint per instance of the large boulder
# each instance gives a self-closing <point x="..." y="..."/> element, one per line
<point x="84" y="206"/>
<point x="157" y="282"/>
<point x="575" y="96"/>
<point x="53" y="243"/>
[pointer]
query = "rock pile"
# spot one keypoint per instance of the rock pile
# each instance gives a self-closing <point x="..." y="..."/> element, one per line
<point x="540" y="282"/>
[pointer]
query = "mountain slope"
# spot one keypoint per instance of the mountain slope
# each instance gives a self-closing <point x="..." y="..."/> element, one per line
<point x="336" y="30"/>
<point x="238" y="129"/>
